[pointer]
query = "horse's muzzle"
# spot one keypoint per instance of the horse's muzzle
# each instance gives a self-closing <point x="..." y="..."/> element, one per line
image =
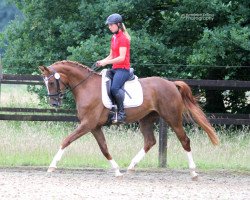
<point x="55" y="103"/>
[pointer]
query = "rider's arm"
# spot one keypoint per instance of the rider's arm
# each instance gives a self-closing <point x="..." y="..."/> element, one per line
<point x="120" y="58"/>
<point x="109" y="57"/>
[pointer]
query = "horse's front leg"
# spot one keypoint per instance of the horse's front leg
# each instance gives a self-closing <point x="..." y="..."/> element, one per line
<point x="100" y="138"/>
<point x="78" y="132"/>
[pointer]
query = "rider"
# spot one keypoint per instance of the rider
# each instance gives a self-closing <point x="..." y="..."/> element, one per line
<point x="119" y="57"/>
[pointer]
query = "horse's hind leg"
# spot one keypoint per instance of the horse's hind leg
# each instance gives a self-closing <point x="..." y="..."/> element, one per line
<point x="176" y="125"/>
<point x="99" y="136"/>
<point x="146" y="127"/>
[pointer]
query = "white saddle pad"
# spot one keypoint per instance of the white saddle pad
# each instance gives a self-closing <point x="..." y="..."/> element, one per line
<point x="133" y="88"/>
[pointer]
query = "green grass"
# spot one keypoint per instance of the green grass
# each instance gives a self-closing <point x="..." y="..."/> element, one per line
<point x="35" y="143"/>
<point x="18" y="96"/>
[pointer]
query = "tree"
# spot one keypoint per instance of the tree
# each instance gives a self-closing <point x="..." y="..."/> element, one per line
<point x="173" y="38"/>
<point x="225" y="45"/>
<point x="7" y="13"/>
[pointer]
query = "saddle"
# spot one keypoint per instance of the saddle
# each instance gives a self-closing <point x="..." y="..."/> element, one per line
<point x="132" y="88"/>
<point x="110" y="75"/>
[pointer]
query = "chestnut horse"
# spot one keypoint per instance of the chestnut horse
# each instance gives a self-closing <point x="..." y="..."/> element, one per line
<point x="161" y="98"/>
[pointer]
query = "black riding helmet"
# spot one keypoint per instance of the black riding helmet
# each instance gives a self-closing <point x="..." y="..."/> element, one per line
<point x="114" y="19"/>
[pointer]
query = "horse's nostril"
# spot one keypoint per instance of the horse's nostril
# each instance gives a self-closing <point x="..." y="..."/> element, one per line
<point x="55" y="104"/>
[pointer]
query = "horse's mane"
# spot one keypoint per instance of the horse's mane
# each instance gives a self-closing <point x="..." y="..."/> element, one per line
<point x="75" y="64"/>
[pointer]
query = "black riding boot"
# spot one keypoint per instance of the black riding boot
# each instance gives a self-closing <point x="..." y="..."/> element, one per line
<point x="120" y="117"/>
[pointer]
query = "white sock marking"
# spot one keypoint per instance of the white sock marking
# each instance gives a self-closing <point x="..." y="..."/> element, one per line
<point x="57" y="157"/>
<point x="113" y="164"/>
<point x="115" y="167"/>
<point x="137" y="159"/>
<point x="190" y="160"/>
<point x="191" y="164"/>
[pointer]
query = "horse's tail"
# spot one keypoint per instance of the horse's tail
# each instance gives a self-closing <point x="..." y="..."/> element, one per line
<point x="192" y="107"/>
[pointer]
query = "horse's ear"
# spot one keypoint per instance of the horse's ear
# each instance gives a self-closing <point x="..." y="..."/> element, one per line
<point x="44" y="69"/>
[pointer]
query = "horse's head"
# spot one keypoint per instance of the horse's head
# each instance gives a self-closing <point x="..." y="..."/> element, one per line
<point x="56" y="84"/>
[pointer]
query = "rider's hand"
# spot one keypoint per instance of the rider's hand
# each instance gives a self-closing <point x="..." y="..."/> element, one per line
<point x="101" y="63"/>
<point x="98" y="63"/>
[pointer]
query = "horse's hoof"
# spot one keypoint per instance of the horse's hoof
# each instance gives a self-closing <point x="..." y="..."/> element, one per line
<point x="194" y="175"/>
<point x="119" y="176"/>
<point x="195" y="178"/>
<point x="131" y="171"/>
<point x="51" y="169"/>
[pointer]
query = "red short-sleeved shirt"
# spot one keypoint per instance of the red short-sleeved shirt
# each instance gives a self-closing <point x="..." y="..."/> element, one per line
<point x="120" y="40"/>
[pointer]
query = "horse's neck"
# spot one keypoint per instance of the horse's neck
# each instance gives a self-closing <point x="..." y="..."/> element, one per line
<point x="74" y="74"/>
<point x="87" y="89"/>
<point x="79" y="77"/>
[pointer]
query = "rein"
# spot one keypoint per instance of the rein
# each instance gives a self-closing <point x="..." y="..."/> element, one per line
<point x="71" y="89"/>
<point x="93" y="67"/>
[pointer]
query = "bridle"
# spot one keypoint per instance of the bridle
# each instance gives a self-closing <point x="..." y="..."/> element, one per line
<point x="60" y="94"/>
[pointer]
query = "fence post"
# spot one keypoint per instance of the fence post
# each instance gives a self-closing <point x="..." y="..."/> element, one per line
<point x="1" y="75"/>
<point x="163" y="144"/>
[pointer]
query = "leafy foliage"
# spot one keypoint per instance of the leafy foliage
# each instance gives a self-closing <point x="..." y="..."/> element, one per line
<point x="7" y="13"/>
<point x="173" y="38"/>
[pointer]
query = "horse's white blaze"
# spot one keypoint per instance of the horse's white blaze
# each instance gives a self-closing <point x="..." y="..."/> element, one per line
<point x="56" y="158"/>
<point x="46" y="81"/>
<point x="115" y="167"/>
<point x="137" y="159"/>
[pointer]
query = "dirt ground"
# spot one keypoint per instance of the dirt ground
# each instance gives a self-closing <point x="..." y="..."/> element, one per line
<point x="34" y="183"/>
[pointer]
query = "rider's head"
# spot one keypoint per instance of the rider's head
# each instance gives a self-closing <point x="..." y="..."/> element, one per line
<point x="114" y="22"/>
<point x="114" y="19"/>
